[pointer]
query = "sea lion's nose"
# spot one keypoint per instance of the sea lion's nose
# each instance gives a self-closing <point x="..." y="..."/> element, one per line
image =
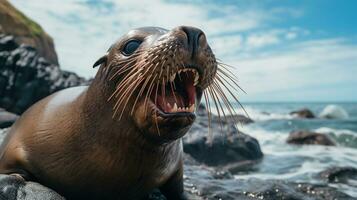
<point x="196" y="38"/>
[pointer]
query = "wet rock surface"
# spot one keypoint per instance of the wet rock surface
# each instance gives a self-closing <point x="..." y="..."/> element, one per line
<point x="303" y="113"/>
<point x="310" y="138"/>
<point x="26" y="77"/>
<point x="218" y="142"/>
<point x="14" y="188"/>
<point x="339" y="174"/>
<point x="200" y="184"/>
<point x="226" y="145"/>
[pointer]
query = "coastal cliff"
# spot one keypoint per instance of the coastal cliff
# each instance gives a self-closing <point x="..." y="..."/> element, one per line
<point x="26" y="31"/>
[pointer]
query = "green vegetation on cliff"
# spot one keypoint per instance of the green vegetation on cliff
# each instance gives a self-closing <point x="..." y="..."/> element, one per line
<point x="26" y="31"/>
<point x="9" y="13"/>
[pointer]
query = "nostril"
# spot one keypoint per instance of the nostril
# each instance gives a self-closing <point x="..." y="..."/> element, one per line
<point x="188" y="33"/>
<point x="202" y="41"/>
<point x="194" y="37"/>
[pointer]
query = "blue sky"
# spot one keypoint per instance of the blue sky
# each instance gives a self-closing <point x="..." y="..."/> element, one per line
<point x="282" y="50"/>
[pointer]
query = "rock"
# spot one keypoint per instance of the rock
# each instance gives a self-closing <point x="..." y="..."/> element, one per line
<point x="333" y="112"/>
<point x="26" y="77"/>
<point x="3" y="133"/>
<point x="26" y="31"/>
<point x="307" y="137"/>
<point x="13" y="188"/>
<point x="7" y="118"/>
<point x="339" y="174"/>
<point x="224" y="146"/>
<point x="303" y="113"/>
<point x="200" y="182"/>
<point x="201" y="110"/>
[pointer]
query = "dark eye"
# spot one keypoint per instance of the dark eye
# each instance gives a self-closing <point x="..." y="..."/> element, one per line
<point x="130" y="47"/>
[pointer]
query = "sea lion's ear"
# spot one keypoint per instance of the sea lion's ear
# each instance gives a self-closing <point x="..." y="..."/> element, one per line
<point x="101" y="60"/>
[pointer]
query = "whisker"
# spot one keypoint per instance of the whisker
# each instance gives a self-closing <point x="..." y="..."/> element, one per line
<point x="148" y="94"/>
<point x="219" y="102"/>
<point x="226" y="102"/>
<point x="235" y="98"/>
<point x="223" y="97"/>
<point x="232" y="78"/>
<point x="157" y="125"/>
<point x="225" y="81"/>
<point x="140" y="93"/>
<point x="215" y="103"/>
<point x="208" y="110"/>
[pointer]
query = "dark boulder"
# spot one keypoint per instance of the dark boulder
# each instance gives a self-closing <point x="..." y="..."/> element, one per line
<point x="26" y="77"/>
<point x="14" y="188"/>
<point x="303" y="113"/>
<point x="225" y="145"/>
<point x="7" y="118"/>
<point x="307" y="137"/>
<point x="339" y="174"/>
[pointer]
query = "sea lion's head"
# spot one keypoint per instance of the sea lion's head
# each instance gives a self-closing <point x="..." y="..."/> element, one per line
<point x="158" y="78"/>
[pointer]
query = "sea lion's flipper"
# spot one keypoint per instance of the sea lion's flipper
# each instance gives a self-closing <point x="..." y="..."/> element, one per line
<point x="173" y="188"/>
<point x="18" y="176"/>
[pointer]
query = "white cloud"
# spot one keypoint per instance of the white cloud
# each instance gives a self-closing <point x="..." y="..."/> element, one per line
<point x="257" y="41"/>
<point x="240" y="37"/>
<point x="290" y="35"/>
<point x="308" y="64"/>
<point x="83" y="33"/>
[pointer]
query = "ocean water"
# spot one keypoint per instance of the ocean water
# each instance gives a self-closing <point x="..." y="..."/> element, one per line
<point x="301" y="163"/>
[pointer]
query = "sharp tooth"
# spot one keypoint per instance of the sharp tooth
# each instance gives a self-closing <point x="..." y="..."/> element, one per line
<point x="175" y="108"/>
<point x="172" y="78"/>
<point x="196" y="79"/>
<point x="192" y="108"/>
<point x="169" y="105"/>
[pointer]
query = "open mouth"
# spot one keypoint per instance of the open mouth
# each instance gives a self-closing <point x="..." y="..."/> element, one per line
<point x="178" y="94"/>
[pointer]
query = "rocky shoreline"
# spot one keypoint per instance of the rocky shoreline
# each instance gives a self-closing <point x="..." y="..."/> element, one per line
<point x="210" y="165"/>
<point x="212" y="182"/>
<point x="26" y="77"/>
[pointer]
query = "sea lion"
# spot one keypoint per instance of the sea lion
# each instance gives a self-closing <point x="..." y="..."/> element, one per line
<point x="119" y="138"/>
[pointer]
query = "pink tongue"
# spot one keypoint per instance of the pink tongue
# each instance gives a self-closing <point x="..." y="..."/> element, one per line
<point x="170" y="98"/>
<point x="173" y="97"/>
